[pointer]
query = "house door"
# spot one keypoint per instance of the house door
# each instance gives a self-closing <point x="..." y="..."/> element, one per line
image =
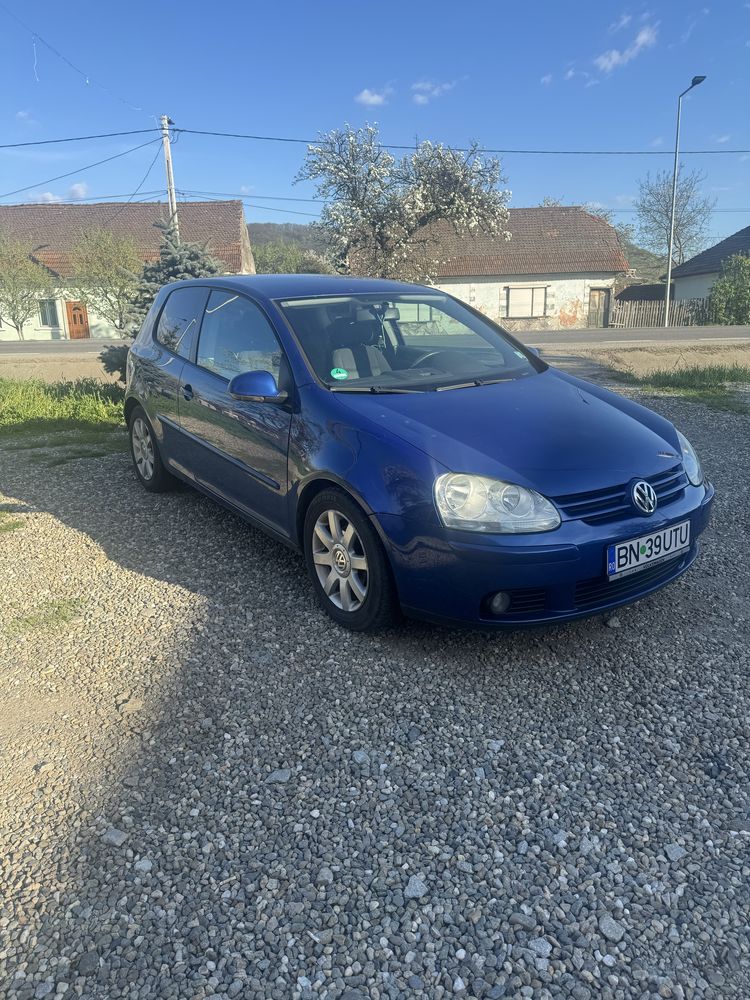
<point x="598" y="307"/>
<point x="78" y="321"/>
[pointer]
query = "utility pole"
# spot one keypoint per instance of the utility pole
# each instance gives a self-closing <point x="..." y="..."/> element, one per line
<point x="695" y="82"/>
<point x="166" y="121"/>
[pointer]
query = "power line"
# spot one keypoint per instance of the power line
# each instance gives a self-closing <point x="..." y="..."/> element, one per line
<point x="130" y="199"/>
<point x="245" y="200"/>
<point x="94" y="198"/>
<point x="78" y="170"/>
<point x="260" y="197"/>
<point x="461" y="149"/>
<point x="321" y="201"/>
<point x="85" y="76"/>
<point x="307" y="142"/>
<point x="76" y="138"/>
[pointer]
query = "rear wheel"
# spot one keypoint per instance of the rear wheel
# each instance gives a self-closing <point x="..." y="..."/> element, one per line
<point x="145" y="453"/>
<point x="348" y="565"/>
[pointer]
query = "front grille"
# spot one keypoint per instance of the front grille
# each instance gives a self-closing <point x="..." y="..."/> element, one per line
<point x="600" y="506"/>
<point x="600" y="590"/>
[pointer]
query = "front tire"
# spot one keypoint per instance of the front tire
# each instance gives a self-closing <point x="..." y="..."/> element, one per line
<point x="347" y="564"/>
<point x="145" y="454"/>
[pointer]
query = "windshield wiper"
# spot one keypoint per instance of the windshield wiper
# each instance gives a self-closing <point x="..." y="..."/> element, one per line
<point x="473" y="382"/>
<point x="376" y="389"/>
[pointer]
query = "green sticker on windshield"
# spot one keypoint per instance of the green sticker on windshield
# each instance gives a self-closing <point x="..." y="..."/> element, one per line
<point x="339" y="373"/>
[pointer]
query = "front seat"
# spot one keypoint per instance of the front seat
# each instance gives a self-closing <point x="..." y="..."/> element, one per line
<point x="353" y="348"/>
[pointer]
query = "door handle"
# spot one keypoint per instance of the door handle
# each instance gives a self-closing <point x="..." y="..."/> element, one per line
<point x="187" y="391"/>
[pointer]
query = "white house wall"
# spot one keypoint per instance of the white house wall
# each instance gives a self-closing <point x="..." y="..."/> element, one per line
<point x="695" y="286"/>
<point x="99" y="329"/>
<point x="567" y="297"/>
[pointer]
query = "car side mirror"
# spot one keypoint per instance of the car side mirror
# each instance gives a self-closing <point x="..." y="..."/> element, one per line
<point x="256" y="387"/>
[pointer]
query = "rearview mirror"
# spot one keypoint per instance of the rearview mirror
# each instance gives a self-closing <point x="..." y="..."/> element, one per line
<point x="256" y="387"/>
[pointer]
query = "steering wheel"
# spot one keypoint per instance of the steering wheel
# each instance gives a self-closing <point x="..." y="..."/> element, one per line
<point x="427" y="357"/>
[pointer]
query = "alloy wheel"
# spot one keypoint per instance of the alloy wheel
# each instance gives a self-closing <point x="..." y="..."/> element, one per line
<point x="340" y="560"/>
<point x="143" y="448"/>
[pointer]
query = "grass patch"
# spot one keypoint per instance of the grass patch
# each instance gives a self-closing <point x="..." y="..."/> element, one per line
<point x="49" y="615"/>
<point x="710" y="384"/>
<point x="8" y="523"/>
<point x="30" y="406"/>
<point x="62" y="420"/>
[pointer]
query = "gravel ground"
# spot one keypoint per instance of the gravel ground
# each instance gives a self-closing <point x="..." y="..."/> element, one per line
<point x="208" y="790"/>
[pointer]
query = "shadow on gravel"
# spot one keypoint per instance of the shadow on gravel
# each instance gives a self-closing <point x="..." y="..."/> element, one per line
<point x="307" y="812"/>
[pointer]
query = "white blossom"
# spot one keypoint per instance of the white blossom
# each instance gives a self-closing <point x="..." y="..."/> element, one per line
<point x="382" y="215"/>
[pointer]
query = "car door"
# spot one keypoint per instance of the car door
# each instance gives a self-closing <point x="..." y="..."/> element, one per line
<point x="162" y="356"/>
<point x="238" y="449"/>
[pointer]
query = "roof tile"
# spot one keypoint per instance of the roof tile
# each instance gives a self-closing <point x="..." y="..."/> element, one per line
<point x="52" y="231"/>
<point x="545" y="240"/>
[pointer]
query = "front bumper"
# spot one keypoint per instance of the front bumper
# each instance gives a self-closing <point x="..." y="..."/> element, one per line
<point x="448" y="576"/>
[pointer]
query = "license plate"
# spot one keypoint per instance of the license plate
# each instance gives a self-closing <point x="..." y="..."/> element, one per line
<point x="624" y="558"/>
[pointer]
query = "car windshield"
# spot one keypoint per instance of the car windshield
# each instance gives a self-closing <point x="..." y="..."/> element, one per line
<point x="402" y="343"/>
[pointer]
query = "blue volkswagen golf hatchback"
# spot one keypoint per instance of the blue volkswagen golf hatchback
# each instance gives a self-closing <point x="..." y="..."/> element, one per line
<point x="422" y="459"/>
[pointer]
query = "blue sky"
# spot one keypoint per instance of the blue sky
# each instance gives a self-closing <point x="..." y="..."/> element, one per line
<point x="558" y="75"/>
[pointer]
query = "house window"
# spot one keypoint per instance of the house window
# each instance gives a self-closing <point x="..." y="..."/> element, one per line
<point x="526" y="302"/>
<point x="48" y="312"/>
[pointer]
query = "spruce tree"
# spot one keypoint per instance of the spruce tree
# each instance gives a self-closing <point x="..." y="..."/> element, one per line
<point x="177" y="261"/>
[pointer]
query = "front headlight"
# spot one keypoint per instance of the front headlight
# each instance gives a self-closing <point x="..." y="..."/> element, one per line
<point x="476" y="503"/>
<point x="690" y="461"/>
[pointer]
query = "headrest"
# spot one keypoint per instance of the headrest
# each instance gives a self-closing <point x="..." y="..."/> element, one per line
<point x="344" y="333"/>
<point x="392" y="313"/>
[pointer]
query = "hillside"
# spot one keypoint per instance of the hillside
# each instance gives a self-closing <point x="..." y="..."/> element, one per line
<point x="648" y="267"/>
<point x="303" y="236"/>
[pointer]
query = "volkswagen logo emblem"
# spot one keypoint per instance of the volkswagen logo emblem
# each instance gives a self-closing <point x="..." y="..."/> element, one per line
<point x="644" y="497"/>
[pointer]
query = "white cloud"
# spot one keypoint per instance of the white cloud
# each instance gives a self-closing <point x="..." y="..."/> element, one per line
<point x="78" y="191"/>
<point x="26" y="118"/>
<point x="622" y="22"/>
<point x="46" y="198"/>
<point x="645" y="39"/>
<point x="569" y="74"/>
<point x="424" y="91"/>
<point x="546" y="79"/>
<point x="657" y="141"/>
<point x="373" y="98"/>
<point x="247" y="188"/>
<point x="722" y="138"/>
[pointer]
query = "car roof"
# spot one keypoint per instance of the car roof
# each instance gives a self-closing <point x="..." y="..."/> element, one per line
<point x="281" y="286"/>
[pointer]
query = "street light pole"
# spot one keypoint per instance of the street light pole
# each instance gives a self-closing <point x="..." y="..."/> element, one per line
<point x="696" y="80"/>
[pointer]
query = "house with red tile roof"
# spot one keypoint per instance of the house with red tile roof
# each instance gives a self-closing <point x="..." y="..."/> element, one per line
<point x="558" y="269"/>
<point x="51" y="233"/>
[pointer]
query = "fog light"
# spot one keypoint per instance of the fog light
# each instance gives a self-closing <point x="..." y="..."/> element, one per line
<point x="500" y="602"/>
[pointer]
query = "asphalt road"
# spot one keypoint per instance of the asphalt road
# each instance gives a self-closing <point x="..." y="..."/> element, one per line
<point x="537" y="338"/>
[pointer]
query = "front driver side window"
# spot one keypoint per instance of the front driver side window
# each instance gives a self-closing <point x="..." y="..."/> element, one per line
<point x="236" y="337"/>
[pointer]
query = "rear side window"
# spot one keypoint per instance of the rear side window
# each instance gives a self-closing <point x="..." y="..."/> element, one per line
<point x="236" y="337"/>
<point x="180" y="318"/>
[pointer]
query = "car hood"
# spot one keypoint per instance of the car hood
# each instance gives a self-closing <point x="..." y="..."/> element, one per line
<point x="551" y="431"/>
